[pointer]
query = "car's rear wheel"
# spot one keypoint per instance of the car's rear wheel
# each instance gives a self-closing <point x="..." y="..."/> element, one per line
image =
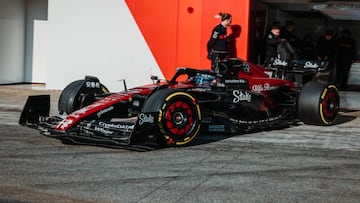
<point x="318" y="103"/>
<point x="77" y="95"/>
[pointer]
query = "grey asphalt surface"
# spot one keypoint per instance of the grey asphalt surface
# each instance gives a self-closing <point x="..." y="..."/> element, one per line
<point x="301" y="163"/>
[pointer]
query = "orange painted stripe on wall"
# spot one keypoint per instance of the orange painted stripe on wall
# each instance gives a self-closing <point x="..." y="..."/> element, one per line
<point x="177" y="31"/>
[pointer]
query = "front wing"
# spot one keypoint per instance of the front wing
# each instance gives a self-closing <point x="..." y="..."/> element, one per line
<point x="109" y="132"/>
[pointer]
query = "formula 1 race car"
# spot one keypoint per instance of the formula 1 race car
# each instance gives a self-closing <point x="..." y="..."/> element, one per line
<point x="241" y="96"/>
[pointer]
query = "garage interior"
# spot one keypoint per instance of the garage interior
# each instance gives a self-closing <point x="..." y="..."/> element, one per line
<point x="312" y="17"/>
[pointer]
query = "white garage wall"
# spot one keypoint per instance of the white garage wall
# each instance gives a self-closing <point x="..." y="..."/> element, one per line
<point x="39" y="53"/>
<point x="35" y="37"/>
<point x="12" y="41"/>
<point x="99" y="38"/>
<point x="36" y="41"/>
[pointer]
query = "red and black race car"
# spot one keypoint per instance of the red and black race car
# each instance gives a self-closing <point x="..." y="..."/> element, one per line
<point x="239" y="97"/>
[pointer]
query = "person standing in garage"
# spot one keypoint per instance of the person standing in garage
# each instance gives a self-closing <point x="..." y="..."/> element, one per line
<point x="272" y="41"/>
<point x="218" y="46"/>
<point x="326" y="51"/>
<point x="346" y="54"/>
<point x="288" y="32"/>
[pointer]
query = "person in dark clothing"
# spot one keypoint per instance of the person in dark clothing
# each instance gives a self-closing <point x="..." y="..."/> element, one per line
<point x="326" y="51"/>
<point x="308" y="48"/>
<point x="326" y="46"/>
<point x="288" y="32"/>
<point x="285" y="51"/>
<point x="346" y="54"/>
<point x="272" y="41"/>
<point x="217" y="46"/>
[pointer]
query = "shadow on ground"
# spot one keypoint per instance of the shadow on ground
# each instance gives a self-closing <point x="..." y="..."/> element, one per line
<point x="202" y="139"/>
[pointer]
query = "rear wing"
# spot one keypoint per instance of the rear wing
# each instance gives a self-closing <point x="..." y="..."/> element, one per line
<point x="36" y="110"/>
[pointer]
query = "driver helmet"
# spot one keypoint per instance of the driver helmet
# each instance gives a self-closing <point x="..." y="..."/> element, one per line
<point x="203" y="79"/>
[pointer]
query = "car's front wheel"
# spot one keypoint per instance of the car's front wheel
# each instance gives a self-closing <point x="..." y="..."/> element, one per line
<point x="179" y="116"/>
<point x="80" y="93"/>
<point x="179" y="119"/>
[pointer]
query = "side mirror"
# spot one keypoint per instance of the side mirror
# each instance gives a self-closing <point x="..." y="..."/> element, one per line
<point x="155" y="78"/>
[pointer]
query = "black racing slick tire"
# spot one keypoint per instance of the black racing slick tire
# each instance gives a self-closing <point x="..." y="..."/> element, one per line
<point x="77" y="95"/>
<point x="179" y="116"/>
<point x="318" y="103"/>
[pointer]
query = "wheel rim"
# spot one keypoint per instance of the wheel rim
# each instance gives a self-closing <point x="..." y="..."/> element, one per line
<point x="179" y="118"/>
<point x="330" y="105"/>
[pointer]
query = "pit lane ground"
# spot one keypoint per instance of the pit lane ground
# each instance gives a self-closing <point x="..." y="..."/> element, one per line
<point x="301" y="163"/>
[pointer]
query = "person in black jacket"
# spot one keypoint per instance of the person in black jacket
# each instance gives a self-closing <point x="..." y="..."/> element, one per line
<point x="346" y="53"/>
<point x="326" y="47"/>
<point x="217" y="46"/>
<point x="272" y="41"/>
<point x="326" y="51"/>
<point x="288" y="32"/>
